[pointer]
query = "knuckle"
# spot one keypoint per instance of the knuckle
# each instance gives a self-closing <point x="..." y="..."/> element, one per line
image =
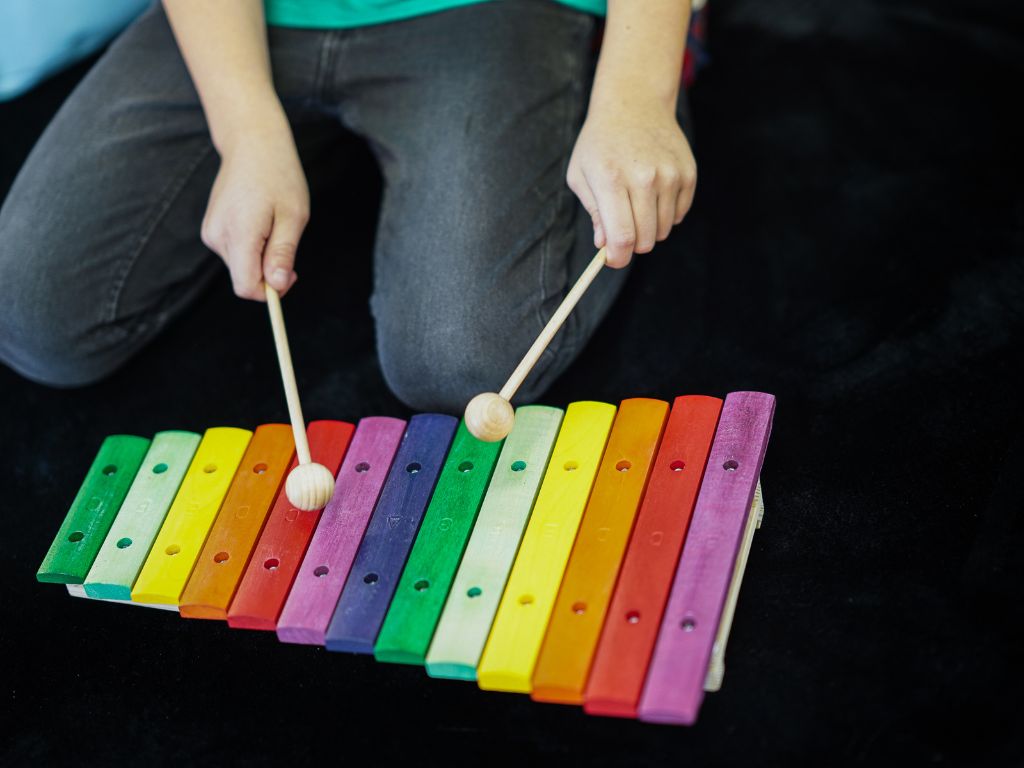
<point x="623" y="239"/>
<point x="645" y="178"/>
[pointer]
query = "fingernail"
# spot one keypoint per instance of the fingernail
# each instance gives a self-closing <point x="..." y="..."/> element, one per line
<point x="280" y="277"/>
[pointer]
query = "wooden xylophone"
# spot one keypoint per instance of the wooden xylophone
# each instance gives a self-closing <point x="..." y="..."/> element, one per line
<point x="594" y="557"/>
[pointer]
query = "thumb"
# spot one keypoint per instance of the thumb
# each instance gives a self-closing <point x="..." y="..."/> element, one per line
<point x="578" y="184"/>
<point x="279" y="253"/>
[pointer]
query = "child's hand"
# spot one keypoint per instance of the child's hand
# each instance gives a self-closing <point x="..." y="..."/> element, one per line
<point x="633" y="170"/>
<point x="258" y="209"/>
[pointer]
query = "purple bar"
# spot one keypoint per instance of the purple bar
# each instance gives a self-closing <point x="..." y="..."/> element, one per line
<point x="322" y="575"/>
<point x="674" y="688"/>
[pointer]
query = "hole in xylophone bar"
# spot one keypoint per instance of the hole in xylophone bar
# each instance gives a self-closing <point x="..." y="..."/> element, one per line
<point x="160" y="468"/>
<point x="76" y="536"/>
<point x="362" y="466"/>
<point x="271" y="563"/>
<point x="633" y="617"/>
<point x="689" y="624"/>
<point x="421" y="585"/>
<point x="677" y="466"/>
<point x="320" y="571"/>
<point x="109" y="470"/>
<point x="518" y="466"/>
<point x="370" y="578"/>
<point x="259" y="469"/>
<point x="526" y="599"/>
<point x="579" y="608"/>
<point x="221" y="557"/>
<point x="466" y="466"/>
<point x="731" y="465"/>
<point x="570" y="466"/>
<point x="173" y="549"/>
<point x="413" y="468"/>
<point x="210" y="468"/>
<point x="124" y="543"/>
<point x="623" y="466"/>
<point x="474" y="592"/>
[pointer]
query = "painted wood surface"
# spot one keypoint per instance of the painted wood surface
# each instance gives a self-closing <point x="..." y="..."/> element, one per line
<point x="423" y="587"/>
<point x="142" y="513"/>
<point x="563" y="664"/>
<point x="225" y="554"/>
<point x="278" y="552"/>
<point x="176" y="546"/>
<point x="634" y="614"/>
<point x="93" y="510"/>
<point x="476" y="591"/>
<point x="674" y="688"/>
<point x="511" y="652"/>
<point x="324" y="569"/>
<point x="389" y="536"/>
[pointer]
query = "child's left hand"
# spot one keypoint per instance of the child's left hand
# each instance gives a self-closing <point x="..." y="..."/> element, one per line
<point x="634" y="172"/>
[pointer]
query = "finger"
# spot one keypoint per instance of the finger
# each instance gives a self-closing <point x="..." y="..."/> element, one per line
<point x="279" y="253"/>
<point x="578" y="184"/>
<point x="616" y="217"/>
<point x="666" y="211"/>
<point x="683" y="202"/>
<point x="243" y="243"/>
<point x="643" y="198"/>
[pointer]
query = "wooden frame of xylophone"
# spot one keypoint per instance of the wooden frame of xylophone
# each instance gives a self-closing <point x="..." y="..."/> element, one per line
<point x="594" y="557"/>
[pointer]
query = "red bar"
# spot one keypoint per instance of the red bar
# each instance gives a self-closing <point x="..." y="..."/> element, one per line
<point x="634" y="615"/>
<point x="282" y="545"/>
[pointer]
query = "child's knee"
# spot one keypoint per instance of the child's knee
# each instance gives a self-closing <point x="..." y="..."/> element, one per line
<point x="43" y="331"/>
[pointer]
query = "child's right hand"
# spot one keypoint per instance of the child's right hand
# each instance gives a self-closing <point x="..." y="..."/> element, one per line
<point x="258" y="208"/>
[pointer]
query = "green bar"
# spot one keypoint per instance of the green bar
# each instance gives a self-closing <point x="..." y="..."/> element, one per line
<point x="93" y="510"/>
<point x="469" y="612"/>
<point x="125" y="548"/>
<point x="409" y="624"/>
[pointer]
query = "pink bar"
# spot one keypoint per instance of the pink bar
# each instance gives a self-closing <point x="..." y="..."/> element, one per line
<point x="321" y="577"/>
<point x="674" y="688"/>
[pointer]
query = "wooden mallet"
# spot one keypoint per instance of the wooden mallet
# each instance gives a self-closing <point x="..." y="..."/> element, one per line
<point x="310" y="485"/>
<point x="489" y="415"/>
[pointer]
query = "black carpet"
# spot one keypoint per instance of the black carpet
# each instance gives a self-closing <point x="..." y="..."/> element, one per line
<point x="857" y="248"/>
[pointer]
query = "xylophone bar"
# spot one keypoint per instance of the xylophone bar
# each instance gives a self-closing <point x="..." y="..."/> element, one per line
<point x="93" y="511"/>
<point x="321" y="577"/>
<point x="510" y="654"/>
<point x="419" y="597"/>
<point x="278" y="553"/>
<point x="169" y="563"/>
<point x="679" y="668"/>
<point x="563" y="664"/>
<point x="225" y="554"/>
<point x="634" y="615"/>
<point x="385" y="546"/>
<point x="469" y="611"/>
<point x="142" y="513"/>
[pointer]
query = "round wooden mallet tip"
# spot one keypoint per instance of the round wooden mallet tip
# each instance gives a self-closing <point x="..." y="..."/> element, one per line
<point x="489" y="417"/>
<point x="309" y="486"/>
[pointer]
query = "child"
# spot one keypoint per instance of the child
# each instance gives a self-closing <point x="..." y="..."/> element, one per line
<point x="195" y="119"/>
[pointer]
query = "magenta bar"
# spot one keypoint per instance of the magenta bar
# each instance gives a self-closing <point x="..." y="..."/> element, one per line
<point x="321" y="577"/>
<point x="674" y="688"/>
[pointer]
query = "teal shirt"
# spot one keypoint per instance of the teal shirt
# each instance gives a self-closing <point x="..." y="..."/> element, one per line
<point x="336" y="14"/>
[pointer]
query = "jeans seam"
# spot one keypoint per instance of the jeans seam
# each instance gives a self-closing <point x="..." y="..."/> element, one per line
<point x="170" y="194"/>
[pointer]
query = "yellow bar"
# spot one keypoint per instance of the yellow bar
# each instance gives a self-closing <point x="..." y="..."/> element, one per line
<point x="518" y="631"/>
<point x="170" y="561"/>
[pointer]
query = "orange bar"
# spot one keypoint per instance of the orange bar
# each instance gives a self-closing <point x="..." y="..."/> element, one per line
<point x="627" y="640"/>
<point x="222" y="561"/>
<point x="576" y="621"/>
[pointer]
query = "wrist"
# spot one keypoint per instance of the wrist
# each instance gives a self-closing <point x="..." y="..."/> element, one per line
<point x="246" y="119"/>
<point x="630" y="97"/>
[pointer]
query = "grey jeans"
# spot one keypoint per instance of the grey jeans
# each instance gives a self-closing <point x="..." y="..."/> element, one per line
<point x="472" y="115"/>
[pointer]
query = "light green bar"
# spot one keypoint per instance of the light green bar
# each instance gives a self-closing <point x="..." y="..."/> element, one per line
<point x="471" y="605"/>
<point x="125" y="548"/>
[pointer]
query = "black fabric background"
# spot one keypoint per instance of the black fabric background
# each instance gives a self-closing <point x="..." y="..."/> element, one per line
<point x="857" y="248"/>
